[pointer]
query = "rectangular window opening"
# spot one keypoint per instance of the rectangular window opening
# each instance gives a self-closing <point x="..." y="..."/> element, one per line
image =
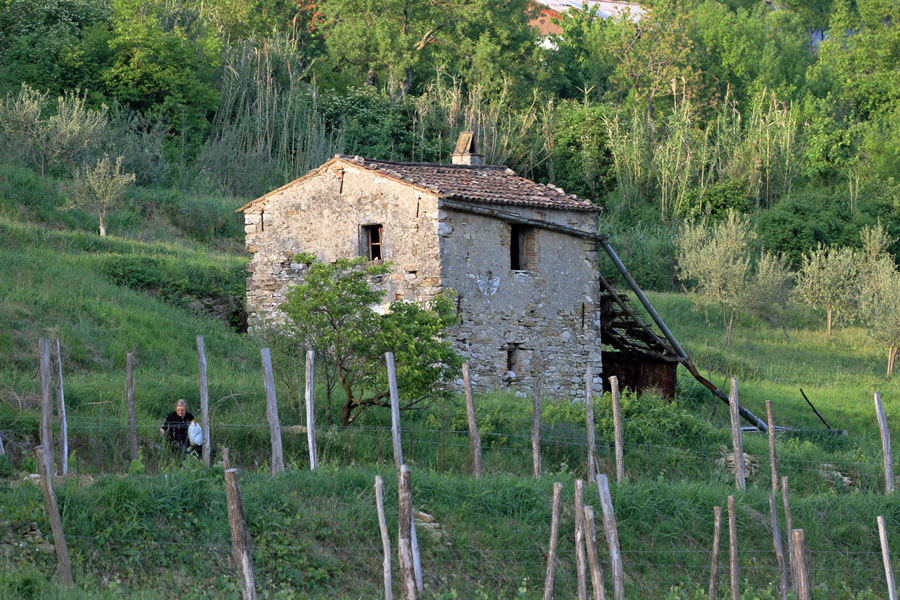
<point x="512" y="357"/>
<point x="373" y="239"/>
<point x="520" y="239"/>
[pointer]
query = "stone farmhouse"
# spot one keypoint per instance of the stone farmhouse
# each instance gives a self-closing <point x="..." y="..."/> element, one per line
<point x="521" y="256"/>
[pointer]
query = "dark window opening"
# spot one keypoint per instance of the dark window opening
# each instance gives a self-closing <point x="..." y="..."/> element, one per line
<point x="512" y="357"/>
<point x="520" y="239"/>
<point x="373" y="240"/>
<point x="262" y="220"/>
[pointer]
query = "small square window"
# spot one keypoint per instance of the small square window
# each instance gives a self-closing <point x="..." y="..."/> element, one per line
<point x="512" y="357"/>
<point x="522" y="250"/>
<point x="372" y="239"/>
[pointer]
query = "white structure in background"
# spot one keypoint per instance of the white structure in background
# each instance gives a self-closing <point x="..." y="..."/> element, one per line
<point x="553" y="9"/>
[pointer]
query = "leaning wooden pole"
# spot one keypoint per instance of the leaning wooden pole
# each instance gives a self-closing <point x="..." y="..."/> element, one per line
<point x="129" y="398"/>
<point x="779" y="551"/>
<point x="240" y="535"/>
<point x="311" y="411"/>
<point x="617" y="427"/>
<point x="395" y="409"/>
<point x="612" y="537"/>
<point x="59" y="537"/>
<point x="550" y="574"/>
<point x="886" y="557"/>
<point x="277" y="464"/>
<point x="46" y="402"/>
<point x="474" y="435"/>
<point x="714" y="562"/>
<point x="885" y="445"/>
<point x="736" y="441"/>
<point x="385" y="538"/>
<point x="61" y="410"/>
<point x="593" y="556"/>
<point x="733" y="550"/>
<point x="580" y="558"/>
<point x="204" y="400"/>
<point x="589" y="420"/>
<point x="535" y="430"/>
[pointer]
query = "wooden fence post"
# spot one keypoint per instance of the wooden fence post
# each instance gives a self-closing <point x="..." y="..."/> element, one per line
<point x="473" y="423"/>
<point x="204" y="401"/>
<point x="61" y="411"/>
<point x="776" y="538"/>
<point x="617" y="425"/>
<point x="714" y="566"/>
<point x="311" y="411"/>
<point x="593" y="557"/>
<point x="589" y="420"/>
<point x="535" y="430"/>
<point x="240" y="535"/>
<point x="886" y="556"/>
<point x="385" y="538"/>
<point x="129" y="398"/>
<point x="733" y="550"/>
<point x="277" y="465"/>
<point x="554" y="541"/>
<point x="46" y="403"/>
<point x="59" y="538"/>
<point x="395" y="409"/>
<point x="770" y="417"/>
<point x="788" y="527"/>
<point x="580" y="560"/>
<point x="407" y="570"/>
<point x="736" y="440"/>
<point x="612" y="537"/>
<point x="226" y="458"/>
<point x="885" y="445"/>
<point x="803" y="583"/>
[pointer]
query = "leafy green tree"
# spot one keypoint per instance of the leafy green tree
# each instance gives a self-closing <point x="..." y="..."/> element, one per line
<point x="880" y="306"/>
<point x="828" y="280"/>
<point x="100" y="187"/>
<point x="332" y="312"/>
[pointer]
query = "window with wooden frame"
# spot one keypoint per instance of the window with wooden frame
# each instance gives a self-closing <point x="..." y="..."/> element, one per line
<point x="522" y="247"/>
<point x="372" y="239"/>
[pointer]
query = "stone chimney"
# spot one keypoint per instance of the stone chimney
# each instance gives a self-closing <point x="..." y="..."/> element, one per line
<point x="467" y="151"/>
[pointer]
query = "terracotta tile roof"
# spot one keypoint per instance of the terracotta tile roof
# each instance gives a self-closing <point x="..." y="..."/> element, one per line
<point x="482" y="183"/>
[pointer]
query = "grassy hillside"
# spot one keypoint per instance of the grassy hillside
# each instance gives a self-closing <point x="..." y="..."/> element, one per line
<point x="160" y="530"/>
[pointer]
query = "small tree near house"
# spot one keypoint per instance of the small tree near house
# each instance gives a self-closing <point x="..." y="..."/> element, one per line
<point x="332" y="311"/>
<point x="100" y="187"/>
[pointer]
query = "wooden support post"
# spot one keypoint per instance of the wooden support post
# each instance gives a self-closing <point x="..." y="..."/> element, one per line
<point x="407" y="571"/>
<point x="770" y="418"/>
<point x="714" y="564"/>
<point x="589" y="420"/>
<point x="395" y="409"/>
<point x="46" y="402"/>
<point x="885" y="445"/>
<point x="311" y="411"/>
<point x="580" y="560"/>
<point x="61" y="410"/>
<point x="776" y="539"/>
<point x="385" y="538"/>
<point x="554" y="541"/>
<point x="473" y="423"/>
<point x="417" y="559"/>
<point x="204" y="401"/>
<point x="277" y="465"/>
<point x="226" y="458"/>
<point x="886" y="556"/>
<point x="736" y="440"/>
<point x="617" y="424"/>
<point x="129" y="398"/>
<point x="535" y="430"/>
<point x="804" y="588"/>
<point x="240" y="536"/>
<point x="612" y="537"/>
<point x="788" y="527"/>
<point x="590" y="531"/>
<point x="59" y="537"/>
<point x="733" y="550"/>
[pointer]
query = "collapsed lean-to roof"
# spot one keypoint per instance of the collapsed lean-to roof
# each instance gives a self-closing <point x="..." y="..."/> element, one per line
<point x="483" y="184"/>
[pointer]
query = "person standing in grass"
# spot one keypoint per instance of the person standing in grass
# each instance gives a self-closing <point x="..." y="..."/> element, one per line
<point x="176" y="427"/>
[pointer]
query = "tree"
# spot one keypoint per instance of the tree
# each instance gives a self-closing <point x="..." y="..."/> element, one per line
<point x="332" y="312"/>
<point x="49" y="136"/>
<point x="718" y="259"/>
<point x="828" y="280"/>
<point x="100" y="187"/>
<point x="880" y="306"/>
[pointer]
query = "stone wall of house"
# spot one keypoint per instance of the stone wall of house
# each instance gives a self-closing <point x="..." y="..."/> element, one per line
<point x="323" y="215"/>
<point x="539" y="322"/>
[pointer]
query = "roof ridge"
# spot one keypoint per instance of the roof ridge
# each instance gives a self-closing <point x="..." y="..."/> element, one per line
<point x="357" y="158"/>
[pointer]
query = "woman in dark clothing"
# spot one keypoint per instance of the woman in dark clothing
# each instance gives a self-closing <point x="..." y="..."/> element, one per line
<point x="176" y="427"/>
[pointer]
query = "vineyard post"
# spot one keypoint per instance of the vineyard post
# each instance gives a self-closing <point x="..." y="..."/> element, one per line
<point x="395" y="409"/>
<point x="736" y="441"/>
<point x="733" y="550"/>
<point x="61" y="410"/>
<point x="885" y="445"/>
<point x="385" y="538"/>
<point x="612" y="537"/>
<point x="779" y="551"/>
<point x="46" y="403"/>
<point x="788" y="527"/>
<point x="473" y="423"/>
<point x="59" y="537"/>
<point x="277" y="465"/>
<point x="554" y="541"/>
<point x="204" y="400"/>
<point x="770" y="418"/>
<point x="580" y="561"/>
<point x="886" y="557"/>
<point x="714" y="566"/>
<point x="407" y="570"/>
<point x="535" y="430"/>
<point x="593" y="556"/>
<point x="617" y="425"/>
<point x="803" y="584"/>
<point x="311" y="411"/>
<point x="240" y="535"/>
<point x="589" y="420"/>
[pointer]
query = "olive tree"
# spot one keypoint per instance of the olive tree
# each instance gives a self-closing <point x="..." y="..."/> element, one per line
<point x="332" y="312"/>
<point x="99" y="188"/>
<point x="828" y="280"/>
<point x="879" y="306"/>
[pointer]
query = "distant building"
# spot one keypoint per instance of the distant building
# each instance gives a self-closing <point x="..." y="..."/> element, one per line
<point x="554" y="9"/>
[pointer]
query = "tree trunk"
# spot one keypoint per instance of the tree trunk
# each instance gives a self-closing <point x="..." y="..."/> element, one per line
<point x="828" y="313"/>
<point x="728" y="326"/>
<point x="346" y="412"/>
<point x="892" y="355"/>
<point x="102" y="225"/>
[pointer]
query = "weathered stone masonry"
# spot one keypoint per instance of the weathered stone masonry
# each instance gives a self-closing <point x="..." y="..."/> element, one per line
<point x="536" y="321"/>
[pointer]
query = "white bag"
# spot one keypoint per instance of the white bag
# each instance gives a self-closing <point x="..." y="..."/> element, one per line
<point x="195" y="434"/>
